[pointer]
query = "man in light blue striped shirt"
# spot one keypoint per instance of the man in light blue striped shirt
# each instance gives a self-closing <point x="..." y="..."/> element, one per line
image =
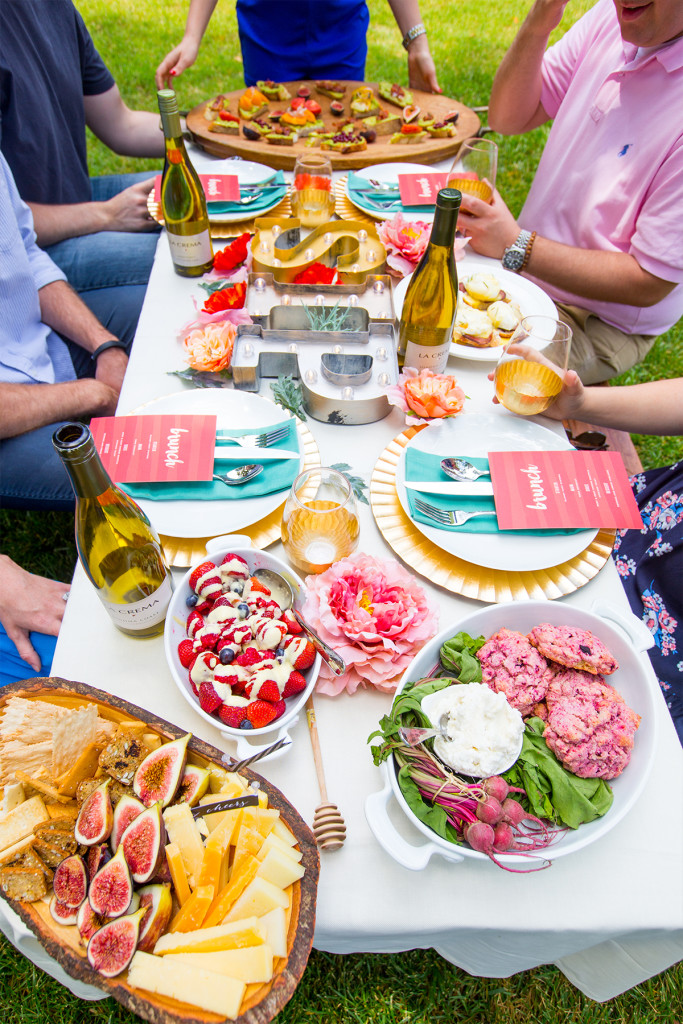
<point x="57" y="362"/>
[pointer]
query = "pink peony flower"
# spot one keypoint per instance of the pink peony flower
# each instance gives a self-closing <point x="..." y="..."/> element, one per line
<point x="210" y="347"/>
<point x="426" y="395"/>
<point x="406" y="241"/>
<point x="375" y="615"/>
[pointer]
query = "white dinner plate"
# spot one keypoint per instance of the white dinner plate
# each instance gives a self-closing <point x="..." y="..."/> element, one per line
<point x="389" y="173"/>
<point x="528" y="296"/>
<point x="477" y="435"/>
<point x="248" y="173"/>
<point x="209" y="518"/>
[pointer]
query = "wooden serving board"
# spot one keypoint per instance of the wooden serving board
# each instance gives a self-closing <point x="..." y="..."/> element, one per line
<point x="261" y="1002"/>
<point x="429" y="151"/>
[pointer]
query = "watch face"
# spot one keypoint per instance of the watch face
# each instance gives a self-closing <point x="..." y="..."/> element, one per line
<point x="513" y="259"/>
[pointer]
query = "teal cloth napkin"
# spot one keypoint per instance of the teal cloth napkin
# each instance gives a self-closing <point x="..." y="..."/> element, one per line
<point x="269" y="197"/>
<point x="276" y="476"/>
<point x="360" y="189"/>
<point x="420" y="465"/>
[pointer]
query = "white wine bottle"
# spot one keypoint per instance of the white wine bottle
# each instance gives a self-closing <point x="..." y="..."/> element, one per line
<point x="431" y="300"/>
<point x="183" y="203"/>
<point x="117" y="546"/>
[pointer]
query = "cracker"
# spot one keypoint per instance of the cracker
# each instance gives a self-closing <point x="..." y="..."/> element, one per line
<point x="70" y="735"/>
<point x="42" y="787"/>
<point x="83" y="767"/>
<point x="21" y="821"/>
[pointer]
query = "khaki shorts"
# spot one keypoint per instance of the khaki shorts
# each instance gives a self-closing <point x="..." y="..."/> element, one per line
<point x="598" y="351"/>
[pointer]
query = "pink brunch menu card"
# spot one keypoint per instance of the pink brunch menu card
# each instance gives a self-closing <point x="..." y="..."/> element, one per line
<point x="566" y="489"/>
<point x="421" y="189"/>
<point x="223" y="188"/>
<point x="156" y="449"/>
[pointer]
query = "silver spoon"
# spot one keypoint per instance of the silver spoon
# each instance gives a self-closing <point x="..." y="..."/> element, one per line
<point x="461" y="469"/>
<point x="282" y="592"/>
<point x="240" y="475"/>
<point x="413" y="735"/>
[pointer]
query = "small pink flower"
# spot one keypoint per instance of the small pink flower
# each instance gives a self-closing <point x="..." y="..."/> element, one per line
<point x="425" y="395"/>
<point x="209" y="348"/>
<point x="375" y="615"/>
<point x="406" y="241"/>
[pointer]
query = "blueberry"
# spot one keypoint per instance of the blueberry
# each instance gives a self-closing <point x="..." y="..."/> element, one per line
<point x="280" y="652"/>
<point x="246" y="724"/>
<point x="237" y="587"/>
<point x="191" y="600"/>
<point x="243" y="609"/>
<point x="226" y="655"/>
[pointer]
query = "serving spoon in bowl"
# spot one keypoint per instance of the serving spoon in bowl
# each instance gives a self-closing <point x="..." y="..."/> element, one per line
<point x="461" y="469"/>
<point x="414" y="735"/>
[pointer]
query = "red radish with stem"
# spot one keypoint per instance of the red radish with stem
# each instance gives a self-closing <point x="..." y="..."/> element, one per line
<point x="490" y="810"/>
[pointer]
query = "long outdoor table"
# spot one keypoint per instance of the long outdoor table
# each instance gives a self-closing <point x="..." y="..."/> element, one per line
<point x="609" y="915"/>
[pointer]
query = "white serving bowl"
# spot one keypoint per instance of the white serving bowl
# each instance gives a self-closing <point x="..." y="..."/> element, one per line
<point x="625" y="636"/>
<point x="174" y="632"/>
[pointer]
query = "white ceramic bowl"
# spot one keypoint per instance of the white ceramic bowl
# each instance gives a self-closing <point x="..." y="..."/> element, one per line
<point x="174" y="632"/>
<point x="625" y="636"/>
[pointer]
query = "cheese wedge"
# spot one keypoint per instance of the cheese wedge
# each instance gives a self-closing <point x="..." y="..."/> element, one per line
<point x="178" y="875"/>
<point x="280" y="869"/>
<point x="272" y="841"/>
<point x="238" y="933"/>
<point x="206" y="989"/>
<point x="258" y="898"/>
<point x="183" y="833"/>
<point x="275" y="924"/>
<point x="252" y="965"/>
<point x="230" y="892"/>
<point x="284" y="833"/>
<point x="191" y="915"/>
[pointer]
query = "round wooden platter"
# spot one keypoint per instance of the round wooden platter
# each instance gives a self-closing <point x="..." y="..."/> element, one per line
<point x="261" y="1002"/>
<point x="428" y="151"/>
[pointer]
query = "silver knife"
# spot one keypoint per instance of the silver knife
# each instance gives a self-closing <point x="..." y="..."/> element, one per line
<point x="242" y="453"/>
<point x="455" y="489"/>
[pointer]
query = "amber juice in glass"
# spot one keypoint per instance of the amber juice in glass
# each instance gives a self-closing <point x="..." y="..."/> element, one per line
<point x="320" y="520"/>
<point x="474" y="169"/>
<point x="529" y="374"/>
<point x="312" y="197"/>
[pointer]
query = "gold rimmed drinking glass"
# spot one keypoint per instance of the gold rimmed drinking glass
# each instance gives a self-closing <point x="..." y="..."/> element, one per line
<point x="474" y="169"/>
<point x="320" y="520"/>
<point x="529" y="374"/>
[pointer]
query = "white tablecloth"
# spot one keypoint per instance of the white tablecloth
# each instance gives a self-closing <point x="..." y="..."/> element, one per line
<point x="609" y="916"/>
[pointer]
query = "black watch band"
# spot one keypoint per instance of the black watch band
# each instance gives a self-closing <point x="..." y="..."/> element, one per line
<point x="114" y="343"/>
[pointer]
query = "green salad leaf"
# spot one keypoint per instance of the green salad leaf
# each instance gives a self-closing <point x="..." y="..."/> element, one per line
<point x="406" y="711"/>
<point x="433" y="815"/>
<point x="553" y="792"/>
<point x="458" y="655"/>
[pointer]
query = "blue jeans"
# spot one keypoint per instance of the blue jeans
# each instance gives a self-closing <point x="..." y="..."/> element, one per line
<point x="110" y="269"/>
<point x="13" y="668"/>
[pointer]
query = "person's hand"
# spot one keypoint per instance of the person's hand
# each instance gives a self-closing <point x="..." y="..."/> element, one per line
<point x="421" y="69"/>
<point x="174" y="63"/>
<point x="490" y="227"/>
<point x="569" y="402"/>
<point x="128" y="211"/>
<point x="548" y="13"/>
<point x="110" y="370"/>
<point x="29" y="602"/>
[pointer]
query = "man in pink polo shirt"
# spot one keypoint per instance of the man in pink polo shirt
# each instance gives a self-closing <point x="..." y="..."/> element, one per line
<point x="601" y="228"/>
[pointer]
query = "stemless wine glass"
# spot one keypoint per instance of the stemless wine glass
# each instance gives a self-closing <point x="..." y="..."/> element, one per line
<point x="320" y="520"/>
<point x="312" y="197"/>
<point x="528" y="376"/>
<point x="474" y="168"/>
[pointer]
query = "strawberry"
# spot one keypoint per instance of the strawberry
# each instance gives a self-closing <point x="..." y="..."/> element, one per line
<point x="279" y="706"/>
<point x="297" y="102"/>
<point x="202" y="667"/>
<point x="199" y="571"/>
<point x="305" y="652"/>
<point x="256" y="586"/>
<point x="232" y="715"/>
<point x="313" y="106"/>
<point x="250" y="657"/>
<point x="295" y="684"/>
<point x="268" y="609"/>
<point x="208" y="698"/>
<point x="194" y="622"/>
<point x="209" y="637"/>
<point x="260" y="713"/>
<point x="186" y="652"/>
<point x="267" y="690"/>
<point x="203" y="606"/>
<point x="293" y="626"/>
<point x="238" y="567"/>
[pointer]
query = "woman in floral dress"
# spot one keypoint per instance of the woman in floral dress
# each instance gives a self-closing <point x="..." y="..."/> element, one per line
<point x="649" y="561"/>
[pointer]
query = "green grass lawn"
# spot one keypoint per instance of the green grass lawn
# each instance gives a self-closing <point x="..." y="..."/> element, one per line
<point x="467" y="39"/>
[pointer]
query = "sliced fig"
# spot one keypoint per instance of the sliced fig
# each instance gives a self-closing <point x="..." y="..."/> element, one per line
<point x="87" y="921"/>
<point x="126" y="810"/>
<point x="336" y="108"/>
<point x="61" y="913"/>
<point x="157" y="901"/>
<point x="159" y="775"/>
<point x="193" y="785"/>
<point x="163" y="872"/>
<point x="95" y="818"/>
<point x="111" y="948"/>
<point x="134" y="903"/>
<point x="70" y="881"/>
<point x="143" y="843"/>
<point x="96" y="857"/>
<point x="111" y="889"/>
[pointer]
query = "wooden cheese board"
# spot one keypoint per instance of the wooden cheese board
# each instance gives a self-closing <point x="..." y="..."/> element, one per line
<point x="260" y="1002"/>
<point x="427" y="151"/>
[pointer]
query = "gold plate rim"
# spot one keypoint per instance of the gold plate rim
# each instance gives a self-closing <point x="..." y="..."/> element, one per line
<point x="490" y="586"/>
<point x="219" y="229"/>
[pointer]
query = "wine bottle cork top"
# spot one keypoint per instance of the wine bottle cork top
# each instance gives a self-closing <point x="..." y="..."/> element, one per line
<point x="448" y="198"/>
<point x="168" y="101"/>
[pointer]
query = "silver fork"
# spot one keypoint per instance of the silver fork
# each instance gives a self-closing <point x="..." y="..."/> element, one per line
<point x="261" y="440"/>
<point x="447" y="516"/>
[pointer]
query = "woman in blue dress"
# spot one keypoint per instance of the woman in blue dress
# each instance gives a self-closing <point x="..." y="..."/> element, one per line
<point x="649" y="561"/>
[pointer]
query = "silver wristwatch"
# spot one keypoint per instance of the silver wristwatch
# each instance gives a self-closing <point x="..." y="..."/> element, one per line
<point x="513" y="256"/>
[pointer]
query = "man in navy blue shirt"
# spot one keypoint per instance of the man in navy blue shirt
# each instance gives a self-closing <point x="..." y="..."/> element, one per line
<point x="52" y="83"/>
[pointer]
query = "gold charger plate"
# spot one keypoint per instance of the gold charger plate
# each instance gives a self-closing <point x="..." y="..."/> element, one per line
<point x="182" y="552"/>
<point x="458" y="576"/>
<point x="235" y="228"/>
<point x="345" y="209"/>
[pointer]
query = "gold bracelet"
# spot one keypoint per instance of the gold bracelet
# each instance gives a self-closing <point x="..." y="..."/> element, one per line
<point x="527" y="251"/>
<point x="412" y="34"/>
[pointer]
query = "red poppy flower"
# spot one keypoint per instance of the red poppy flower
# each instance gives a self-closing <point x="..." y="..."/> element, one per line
<point x="317" y="273"/>
<point x="231" y="297"/>
<point x="233" y="254"/>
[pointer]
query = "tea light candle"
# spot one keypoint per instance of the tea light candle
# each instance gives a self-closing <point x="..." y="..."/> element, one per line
<point x="347" y="394"/>
<point x="378" y="287"/>
<point x="382" y="355"/>
<point x="327" y="237"/>
<point x="259" y="285"/>
<point x="383" y="379"/>
<point x="276" y="230"/>
<point x="362" y="235"/>
<point x="353" y="300"/>
<point x="319" y="300"/>
<point x="286" y="300"/>
<point x="310" y="376"/>
<point x="309" y="254"/>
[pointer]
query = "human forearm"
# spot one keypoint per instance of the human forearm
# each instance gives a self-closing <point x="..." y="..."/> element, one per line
<point x="421" y="69"/>
<point x="655" y="407"/>
<point x="515" y="101"/>
<point x="30" y="406"/>
<point x="62" y="309"/>
<point x="55" y="223"/>
<point x="128" y="132"/>
<point x="185" y="53"/>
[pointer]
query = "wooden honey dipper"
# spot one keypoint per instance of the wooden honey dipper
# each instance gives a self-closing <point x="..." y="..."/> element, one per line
<point x="328" y="825"/>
